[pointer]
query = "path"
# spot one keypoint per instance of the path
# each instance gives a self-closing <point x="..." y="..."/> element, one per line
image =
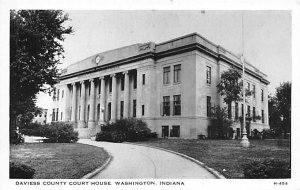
<point x="138" y="162"/>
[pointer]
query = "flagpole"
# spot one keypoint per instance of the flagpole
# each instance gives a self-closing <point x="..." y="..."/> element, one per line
<point x="245" y="142"/>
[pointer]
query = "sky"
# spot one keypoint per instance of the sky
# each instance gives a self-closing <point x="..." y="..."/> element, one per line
<point x="267" y="35"/>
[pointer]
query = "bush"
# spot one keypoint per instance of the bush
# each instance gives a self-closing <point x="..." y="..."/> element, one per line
<point x="267" y="169"/>
<point x="15" y="137"/>
<point x="59" y="132"/>
<point x="124" y="130"/>
<point x="32" y="129"/>
<point x="271" y="133"/>
<point x="20" y="171"/>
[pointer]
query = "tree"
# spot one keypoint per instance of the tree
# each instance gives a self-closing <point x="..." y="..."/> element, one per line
<point x="280" y="108"/>
<point x="231" y="87"/>
<point x="35" y="52"/>
<point x="220" y="124"/>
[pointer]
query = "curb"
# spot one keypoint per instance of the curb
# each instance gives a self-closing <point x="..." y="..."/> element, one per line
<point x="211" y="170"/>
<point x="98" y="170"/>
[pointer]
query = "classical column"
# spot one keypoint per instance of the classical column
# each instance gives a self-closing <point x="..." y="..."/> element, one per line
<point x="126" y="94"/>
<point x="82" y="105"/>
<point x="114" y="98"/>
<point x="102" y="102"/>
<point x="73" y="116"/>
<point x="91" y="123"/>
<point x="67" y="104"/>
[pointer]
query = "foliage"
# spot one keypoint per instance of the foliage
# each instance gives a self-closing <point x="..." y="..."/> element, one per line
<point x="220" y="124"/>
<point x="15" y="137"/>
<point x="280" y="106"/>
<point x="267" y="169"/>
<point x="256" y="134"/>
<point x="271" y="133"/>
<point x="35" y="51"/>
<point x="59" y="132"/>
<point x="20" y="171"/>
<point x="130" y="129"/>
<point x="33" y="129"/>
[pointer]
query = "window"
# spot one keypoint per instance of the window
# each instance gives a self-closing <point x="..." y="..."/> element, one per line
<point x="165" y="131"/>
<point x="58" y="95"/>
<point x="177" y="73"/>
<point x="262" y="116"/>
<point x="175" y="131"/>
<point x="253" y="89"/>
<point x="89" y="86"/>
<point x="229" y="111"/>
<point x="110" y="84"/>
<point x="54" y="95"/>
<point x="166" y="77"/>
<point x="248" y="111"/>
<point x="109" y="111"/>
<point x="236" y="111"/>
<point x="61" y="116"/>
<point x="79" y="111"/>
<point x="122" y="82"/>
<point x="53" y="115"/>
<point x="262" y="95"/>
<point x="62" y="94"/>
<point x="134" y="108"/>
<point x="253" y="114"/>
<point x="166" y="105"/>
<point x="143" y="110"/>
<point x="121" y="109"/>
<point x="88" y="113"/>
<point x="208" y="106"/>
<point x="208" y="75"/>
<point x="134" y="81"/>
<point x="56" y="114"/>
<point x="144" y="79"/>
<point x="248" y="86"/>
<point x="99" y="87"/>
<point x="98" y="112"/>
<point x="177" y="105"/>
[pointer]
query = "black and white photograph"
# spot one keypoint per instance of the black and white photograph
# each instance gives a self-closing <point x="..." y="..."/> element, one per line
<point x="151" y="97"/>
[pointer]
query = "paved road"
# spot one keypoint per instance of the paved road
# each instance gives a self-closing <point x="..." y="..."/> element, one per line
<point x="138" y="162"/>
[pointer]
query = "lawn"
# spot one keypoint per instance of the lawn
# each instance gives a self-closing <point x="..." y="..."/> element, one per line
<point x="59" y="160"/>
<point x="225" y="156"/>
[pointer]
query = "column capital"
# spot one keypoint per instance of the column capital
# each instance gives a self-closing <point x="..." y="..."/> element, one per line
<point x="82" y="82"/>
<point x="101" y="77"/>
<point x="91" y="80"/>
<point x="73" y="83"/>
<point x="125" y="72"/>
<point x="113" y="75"/>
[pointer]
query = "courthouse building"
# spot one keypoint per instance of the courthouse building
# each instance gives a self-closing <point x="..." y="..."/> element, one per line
<point x="170" y="85"/>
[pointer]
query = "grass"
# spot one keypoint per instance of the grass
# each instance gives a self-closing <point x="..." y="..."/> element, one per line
<point x="59" y="160"/>
<point x="225" y="156"/>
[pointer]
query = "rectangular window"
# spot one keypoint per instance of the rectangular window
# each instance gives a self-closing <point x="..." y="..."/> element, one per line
<point x="236" y="111"/>
<point x="109" y="111"/>
<point x="248" y="86"/>
<point x="208" y="106"/>
<point x="253" y="114"/>
<point x="175" y="131"/>
<point x="57" y="114"/>
<point x="248" y="111"/>
<point x="62" y="94"/>
<point x="143" y="110"/>
<point x="166" y="105"/>
<point x="144" y="79"/>
<point x="110" y="84"/>
<point x="253" y="90"/>
<point x="61" y="116"/>
<point x="53" y="115"/>
<point x="262" y="95"/>
<point x="58" y="95"/>
<point x="99" y="87"/>
<point x="134" y="108"/>
<point x="262" y="116"/>
<point x="134" y="81"/>
<point x="177" y="105"/>
<point x="121" y="109"/>
<point x="89" y="86"/>
<point x="166" y="76"/>
<point x="54" y="94"/>
<point x="208" y="75"/>
<point x="177" y="73"/>
<point x="98" y="112"/>
<point x="165" y="131"/>
<point x="122" y="82"/>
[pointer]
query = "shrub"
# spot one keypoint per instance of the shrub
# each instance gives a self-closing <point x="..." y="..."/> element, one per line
<point x="59" y="132"/>
<point x="267" y="169"/>
<point x="32" y="129"/>
<point x="15" y="137"/>
<point x="20" y="171"/>
<point x="270" y="133"/>
<point x="124" y="130"/>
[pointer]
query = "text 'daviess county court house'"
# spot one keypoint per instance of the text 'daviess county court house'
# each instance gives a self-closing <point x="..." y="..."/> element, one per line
<point x="170" y="85"/>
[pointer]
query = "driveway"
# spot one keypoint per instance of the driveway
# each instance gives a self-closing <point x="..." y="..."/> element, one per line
<point x="138" y="162"/>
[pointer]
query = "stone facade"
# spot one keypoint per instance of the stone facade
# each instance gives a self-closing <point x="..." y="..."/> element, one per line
<point x="170" y="85"/>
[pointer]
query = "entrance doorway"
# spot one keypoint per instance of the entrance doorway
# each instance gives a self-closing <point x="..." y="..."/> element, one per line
<point x="165" y="131"/>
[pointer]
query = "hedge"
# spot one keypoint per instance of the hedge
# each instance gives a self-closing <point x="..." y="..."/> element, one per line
<point x="20" y="171"/>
